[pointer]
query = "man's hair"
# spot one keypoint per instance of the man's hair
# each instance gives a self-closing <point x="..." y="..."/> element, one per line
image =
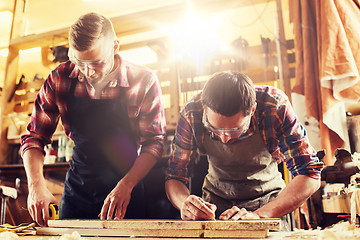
<point x="228" y="93"/>
<point x="88" y="29"/>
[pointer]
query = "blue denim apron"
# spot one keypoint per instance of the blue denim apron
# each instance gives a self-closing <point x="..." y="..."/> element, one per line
<point x="104" y="151"/>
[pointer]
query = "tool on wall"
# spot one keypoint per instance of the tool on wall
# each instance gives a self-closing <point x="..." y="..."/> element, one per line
<point x="241" y="46"/>
<point x="60" y="53"/>
<point x="266" y="51"/>
<point x="16" y="87"/>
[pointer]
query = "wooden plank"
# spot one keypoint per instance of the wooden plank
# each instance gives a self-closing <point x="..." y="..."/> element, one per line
<point x="77" y="223"/>
<point x="121" y="232"/>
<point x="155" y="224"/>
<point x="236" y="234"/>
<point x="191" y="233"/>
<point x="256" y="224"/>
<point x="205" y="225"/>
<point x="130" y="224"/>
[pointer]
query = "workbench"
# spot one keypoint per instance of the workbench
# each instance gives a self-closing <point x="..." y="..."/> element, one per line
<point x="157" y="203"/>
<point x="178" y="230"/>
<point x="17" y="212"/>
<point x="168" y="230"/>
<point x="272" y="236"/>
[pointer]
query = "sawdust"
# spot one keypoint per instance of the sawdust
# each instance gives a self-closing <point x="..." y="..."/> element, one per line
<point x="8" y="236"/>
<point x="342" y="230"/>
<point x="339" y="231"/>
<point x="74" y="236"/>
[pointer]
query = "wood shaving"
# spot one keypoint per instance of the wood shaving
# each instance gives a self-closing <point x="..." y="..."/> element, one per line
<point x="342" y="230"/>
<point x="339" y="231"/>
<point x="74" y="236"/>
<point x="355" y="204"/>
<point x="303" y="234"/>
<point x="8" y="236"/>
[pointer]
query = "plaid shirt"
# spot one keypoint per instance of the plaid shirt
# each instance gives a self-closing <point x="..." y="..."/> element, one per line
<point x="274" y="118"/>
<point x="143" y="96"/>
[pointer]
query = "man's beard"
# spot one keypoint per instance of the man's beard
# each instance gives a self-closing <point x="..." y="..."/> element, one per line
<point x="98" y="77"/>
<point x="95" y="78"/>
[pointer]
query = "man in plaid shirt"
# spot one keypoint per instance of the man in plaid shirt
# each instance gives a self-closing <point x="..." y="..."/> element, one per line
<point x="245" y="131"/>
<point x="113" y="111"/>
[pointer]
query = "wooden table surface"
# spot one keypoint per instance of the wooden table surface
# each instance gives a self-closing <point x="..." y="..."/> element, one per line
<point x="272" y="236"/>
<point x="168" y="230"/>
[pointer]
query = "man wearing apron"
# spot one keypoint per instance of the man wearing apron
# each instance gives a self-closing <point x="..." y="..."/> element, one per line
<point x="112" y="110"/>
<point x="245" y="131"/>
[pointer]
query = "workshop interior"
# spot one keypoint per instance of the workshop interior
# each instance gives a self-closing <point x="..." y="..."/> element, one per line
<point x="184" y="42"/>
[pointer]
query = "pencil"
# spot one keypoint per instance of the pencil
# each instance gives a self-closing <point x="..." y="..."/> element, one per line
<point x="203" y="202"/>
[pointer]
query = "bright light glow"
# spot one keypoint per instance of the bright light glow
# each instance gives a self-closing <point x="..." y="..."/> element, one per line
<point x="5" y="16"/>
<point x="195" y="38"/>
<point x="30" y="50"/>
<point x="166" y="100"/>
<point x="4" y="52"/>
<point x="142" y="56"/>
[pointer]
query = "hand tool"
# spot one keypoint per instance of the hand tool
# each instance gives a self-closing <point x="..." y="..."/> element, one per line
<point x="53" y="212"/>
<point x="203" y="202"/>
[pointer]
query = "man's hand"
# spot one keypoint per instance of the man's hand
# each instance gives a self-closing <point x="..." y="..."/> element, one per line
<point x="38" y="202"/>
<point x="236" y="213"/>
<point x="194" y="208"/>
<point x="116" y="202"/>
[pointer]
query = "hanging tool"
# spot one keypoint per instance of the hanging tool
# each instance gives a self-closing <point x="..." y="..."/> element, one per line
<point x="241" y="46"/>
<point x="16" y="87"/>
<point x="266" y="51"/>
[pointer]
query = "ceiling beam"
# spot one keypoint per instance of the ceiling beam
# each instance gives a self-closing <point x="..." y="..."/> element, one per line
<point x="137" y="22"/>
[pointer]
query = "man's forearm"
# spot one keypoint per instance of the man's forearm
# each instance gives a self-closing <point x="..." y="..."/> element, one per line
<point x="177" y="192"/>
<point x="33" y="163"/>
<point x="142" y="165"/>
<point x="294" y="194"/>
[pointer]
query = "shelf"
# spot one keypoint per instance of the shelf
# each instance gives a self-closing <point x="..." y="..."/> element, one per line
<point x="15" y="139"/>
<point x="10" y="168"/>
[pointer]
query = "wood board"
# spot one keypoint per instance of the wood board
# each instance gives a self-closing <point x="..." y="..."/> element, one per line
<point x="257" y="228"/>
<point x="170" y="233"/>
<point x="255" y="224"/>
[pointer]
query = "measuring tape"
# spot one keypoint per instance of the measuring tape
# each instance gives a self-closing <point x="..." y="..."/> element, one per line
<point x="53" y="212"/>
